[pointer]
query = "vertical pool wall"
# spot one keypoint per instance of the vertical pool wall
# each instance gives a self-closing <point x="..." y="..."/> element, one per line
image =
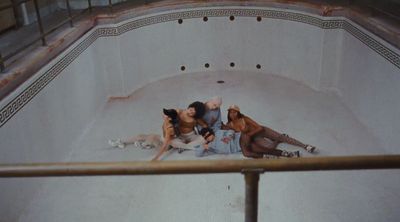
<point x="44" y="118"/>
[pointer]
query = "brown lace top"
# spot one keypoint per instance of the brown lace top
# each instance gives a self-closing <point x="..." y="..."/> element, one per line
<point x="189" y="125"/>
<point x="244" y="125"/>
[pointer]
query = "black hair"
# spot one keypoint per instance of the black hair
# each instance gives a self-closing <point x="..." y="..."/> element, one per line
<point x="200" y="109"/>
<point x="239" y="115"/>
<point x="206" y="130"/>
<point x="173" y="114"/>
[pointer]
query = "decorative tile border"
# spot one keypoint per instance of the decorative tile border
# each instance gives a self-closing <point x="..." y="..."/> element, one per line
<point x="24" y="97"/>
<point x="378" y="47"/>
<point x="384" y="51"/>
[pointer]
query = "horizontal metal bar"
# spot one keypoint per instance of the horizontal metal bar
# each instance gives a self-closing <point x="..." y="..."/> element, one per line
<point x="11" y="5"/>
<point x="82" y="12"/>
<point x="64" y="22"/>
<point x="385" y="12"/>
<point x="199" y="166"/>
<point x="8" y="56"/>
<point x="57" y="26"/>
<point x="6" y="7"/>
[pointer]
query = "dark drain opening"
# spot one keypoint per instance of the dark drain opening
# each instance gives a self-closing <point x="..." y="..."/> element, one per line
<point x="220" y="81"/>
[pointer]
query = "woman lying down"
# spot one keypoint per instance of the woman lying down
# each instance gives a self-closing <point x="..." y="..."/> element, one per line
<point x="227" y="142"/>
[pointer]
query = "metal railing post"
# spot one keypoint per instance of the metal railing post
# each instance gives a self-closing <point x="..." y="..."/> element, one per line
<point x="110" y="5"/>
<point x="42" y="36"/>
<point x="90" y="5"/>
<point x="16" y="14"/>
<point x="2" y="66"/>
<point x="69" y="13"/>
<point x="251" y="178"/>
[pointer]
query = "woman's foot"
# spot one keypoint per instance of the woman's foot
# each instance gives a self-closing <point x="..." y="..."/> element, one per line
<point x="116" y="143"/>
<point x="296" y="154"/>
<point x="266" y="156"/>
<point x="288" y="154"/>
<point x="310" y="149"/>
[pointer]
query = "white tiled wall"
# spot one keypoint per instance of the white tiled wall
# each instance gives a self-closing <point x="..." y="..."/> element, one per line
<point x="370" y="87"/>
<point x="281" y="47"/>
<point x="46" y="129"/>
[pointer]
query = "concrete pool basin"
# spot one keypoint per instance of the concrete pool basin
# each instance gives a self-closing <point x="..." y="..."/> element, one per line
<point x="324" y="80"/>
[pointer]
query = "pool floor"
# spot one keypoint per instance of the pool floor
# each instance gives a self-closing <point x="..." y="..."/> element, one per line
<point x="285" y="105"/>
<point x="316" y="118"/>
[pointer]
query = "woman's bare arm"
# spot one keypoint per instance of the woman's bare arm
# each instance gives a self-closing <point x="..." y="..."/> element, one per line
<point x="163" y="148"/>
<point x="169" y="133"/>
<point x="202" y="123"/>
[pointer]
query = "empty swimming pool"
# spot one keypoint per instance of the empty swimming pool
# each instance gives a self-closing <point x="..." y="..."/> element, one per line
<point x="324" y="80"/>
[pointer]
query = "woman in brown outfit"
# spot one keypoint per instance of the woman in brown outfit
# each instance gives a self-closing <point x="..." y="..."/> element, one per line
<point x="241" y="123"/>
<point x="170" y="130"/>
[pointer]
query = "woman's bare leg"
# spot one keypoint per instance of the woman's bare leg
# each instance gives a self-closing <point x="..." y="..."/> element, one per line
<point x="265" y="150"/>
<point x="283" y="138"/>
<point x="245" y="142"/>
<point x="265" y="142"/>
<point x="133" y="139"/>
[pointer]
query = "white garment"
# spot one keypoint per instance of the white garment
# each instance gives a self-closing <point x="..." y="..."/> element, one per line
<point x="188" y="141"/>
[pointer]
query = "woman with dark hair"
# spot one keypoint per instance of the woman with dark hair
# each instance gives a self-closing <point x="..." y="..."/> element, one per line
<point x="188" y="119"/>
<point x="170" y="129"/>
<point x="259" y="134"/>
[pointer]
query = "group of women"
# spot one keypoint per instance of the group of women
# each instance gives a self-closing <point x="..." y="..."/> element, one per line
<point x="239" y="134"/>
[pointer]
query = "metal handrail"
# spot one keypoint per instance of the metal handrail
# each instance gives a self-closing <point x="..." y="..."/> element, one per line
<point x="43" y="34"/>
<point x="12" y="4"/>
<point x="199" y="166"/>
<point x="33" y="41"/>
<point x="250" y="168"/>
